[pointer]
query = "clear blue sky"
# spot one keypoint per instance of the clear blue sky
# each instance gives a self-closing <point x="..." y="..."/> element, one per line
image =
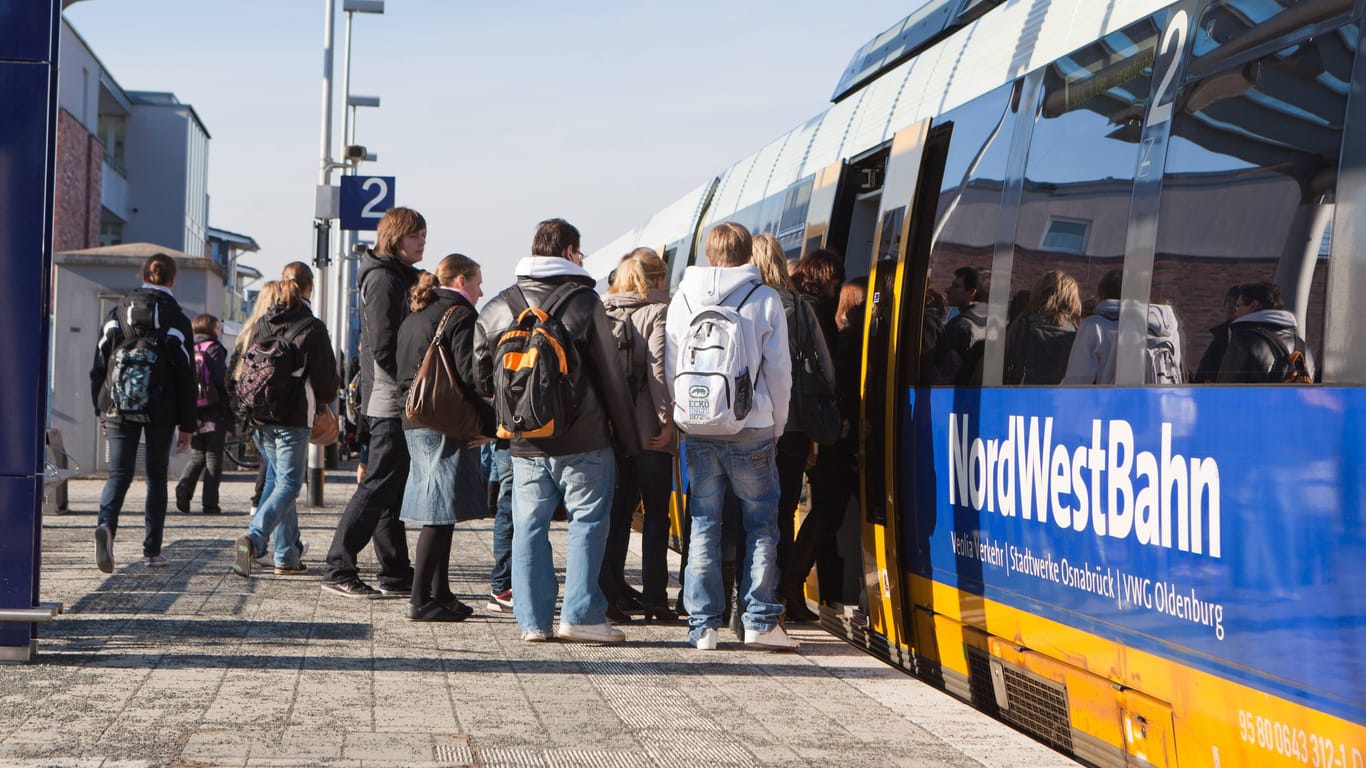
<point x="494" y="115"/>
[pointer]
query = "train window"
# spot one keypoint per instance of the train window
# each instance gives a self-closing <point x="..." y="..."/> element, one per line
<point x="1074" y="210"/>
<point x="1247" y="198"/>
<point x="1231" y="30"/>
<point x="964" y="235"/>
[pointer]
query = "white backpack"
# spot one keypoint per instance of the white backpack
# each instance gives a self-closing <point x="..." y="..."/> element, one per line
<point x="713" y="388"/>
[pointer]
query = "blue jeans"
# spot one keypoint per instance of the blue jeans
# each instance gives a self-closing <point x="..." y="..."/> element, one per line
<point x="585" y="482"/>
<point x="123" y="454"/>
<point x="752" y="473"/>
<point x="500" y="580"/>
<point x="285" y="450"/>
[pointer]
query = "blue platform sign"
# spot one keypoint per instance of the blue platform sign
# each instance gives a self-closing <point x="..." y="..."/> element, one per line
<point x="364" y="199"/>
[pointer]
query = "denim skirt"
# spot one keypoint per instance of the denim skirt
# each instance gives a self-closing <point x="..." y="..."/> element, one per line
<point x="445" y="484"/>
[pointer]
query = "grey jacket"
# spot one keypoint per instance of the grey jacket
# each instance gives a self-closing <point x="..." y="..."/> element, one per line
<point x="654" y="403"/>
<point x="383" y="283"/>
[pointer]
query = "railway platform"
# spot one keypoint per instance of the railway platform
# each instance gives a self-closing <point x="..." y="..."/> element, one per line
<point x="191" y="666"/>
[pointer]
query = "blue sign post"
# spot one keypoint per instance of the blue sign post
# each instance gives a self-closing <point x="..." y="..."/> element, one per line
<point x="364" y="199"/>
<point x="28" y="89"/>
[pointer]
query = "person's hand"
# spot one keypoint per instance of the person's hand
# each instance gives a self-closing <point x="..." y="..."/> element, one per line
<point x="478" y="442"/>
<point x="663" y="440"/>
<point x="360" y="473"/>
<point x="182" y="442"/>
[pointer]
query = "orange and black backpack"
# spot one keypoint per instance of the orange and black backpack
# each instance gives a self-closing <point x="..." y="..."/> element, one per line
<point x="1292" y="365"/>
<point x="533" y="392"/>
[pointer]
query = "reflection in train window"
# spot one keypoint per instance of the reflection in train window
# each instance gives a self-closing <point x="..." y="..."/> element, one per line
<point x="1248" y="191"/>
<point x="967" y="217"/>
<point x="1074" y="211"/>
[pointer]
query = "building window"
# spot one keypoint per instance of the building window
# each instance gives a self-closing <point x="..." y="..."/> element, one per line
<point x="111" y="233"/>
<point x="1067" y="235"/>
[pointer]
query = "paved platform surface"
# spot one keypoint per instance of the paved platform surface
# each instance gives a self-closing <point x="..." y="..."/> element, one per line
<point x="192" y="666"/>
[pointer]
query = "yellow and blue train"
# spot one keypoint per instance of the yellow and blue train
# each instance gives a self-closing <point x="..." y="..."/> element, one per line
<point x="1136" y="573"/>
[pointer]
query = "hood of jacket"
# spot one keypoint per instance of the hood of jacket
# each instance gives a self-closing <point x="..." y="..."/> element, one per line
<point x="542" y="267"/>
<point x="1162" y="323"/>
<point x="370" y="261"/>
<point x="708" y="286"/>
<point x="1279" y="318"/>
<point x="631" y="300"/>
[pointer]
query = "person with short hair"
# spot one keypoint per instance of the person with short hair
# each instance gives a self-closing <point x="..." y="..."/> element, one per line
<point x="745" y="461"/>
<point x="577" y="466"/>
<point x="148" y="311"/>
<point x="957" y="356"/>
<point x="383" y="281"/>
<point x="215" y="417"/>
<point x="1262" y="335"/>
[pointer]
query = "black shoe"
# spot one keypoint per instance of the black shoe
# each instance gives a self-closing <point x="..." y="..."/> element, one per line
<point x="796" y="610"/>
<point x="661" y="614"/>
<point x="628" y="604"/>
<point x="617" y="616"/>
<point x="182" y="500"/>
<point x="397" y="590"/>
<point x="244" y="557"/>
<point x="351" y="588"/>
<point x="455" y="604"/>
<point x="213" y="510"/>
<point x="433" y="611"/>
<point x="104" y="548"/>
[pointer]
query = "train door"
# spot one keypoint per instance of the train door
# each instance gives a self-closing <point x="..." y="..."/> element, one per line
<point x="842" y="216"/>
<point x="896" y="228"/>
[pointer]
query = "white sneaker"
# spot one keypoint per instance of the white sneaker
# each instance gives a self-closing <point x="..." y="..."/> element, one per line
<point x="268" y="558"/>
<point x="534" y="636"/>
<point x="775" y="639"/>
<point x="591" y="633"/>
<point x="707" y="641"/>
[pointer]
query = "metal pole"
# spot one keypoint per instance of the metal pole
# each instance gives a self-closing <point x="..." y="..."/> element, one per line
<point x="338" y="318"/>
<point x="315" y="452"/>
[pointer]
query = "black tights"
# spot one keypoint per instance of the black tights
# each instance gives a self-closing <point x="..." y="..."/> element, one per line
<point x="431" y="570"/>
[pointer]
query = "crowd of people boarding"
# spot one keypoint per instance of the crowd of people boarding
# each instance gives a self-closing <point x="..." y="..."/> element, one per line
<point x="553" y="402"/>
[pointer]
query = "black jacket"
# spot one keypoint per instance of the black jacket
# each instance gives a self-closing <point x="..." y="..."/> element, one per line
<point x="603" y="404"/>
<point x="219" y="415"/>
<point x="415" y="337"/>
<point x="1037" y="350"/>
<point x="1250" y="357"/>
<point x="383" y="283"/>
<point x="320" y="366"/>
<point x="177" y="404"/>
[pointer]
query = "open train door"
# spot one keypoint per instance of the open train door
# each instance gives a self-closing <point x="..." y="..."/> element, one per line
<point x="878" y="462"/>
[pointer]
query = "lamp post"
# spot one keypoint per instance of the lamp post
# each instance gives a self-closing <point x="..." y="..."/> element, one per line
<point x="326" y="207"/>
<point x="346" y="255"/>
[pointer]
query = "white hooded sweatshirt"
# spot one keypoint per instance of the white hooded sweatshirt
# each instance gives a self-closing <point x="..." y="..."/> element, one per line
<point x="763" y="331"/>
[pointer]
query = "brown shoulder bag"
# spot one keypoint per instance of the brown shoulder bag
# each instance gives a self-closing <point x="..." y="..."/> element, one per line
<point x="437" y="399"/>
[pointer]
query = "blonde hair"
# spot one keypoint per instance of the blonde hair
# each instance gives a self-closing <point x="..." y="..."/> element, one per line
<point x="1056" y="297"/>
<point x="447" y="270"/>
<point x="639" y="272"/>
<point x="268" y="297"/>
<point x="768" y="256"/>
<point x="729" y="245"/>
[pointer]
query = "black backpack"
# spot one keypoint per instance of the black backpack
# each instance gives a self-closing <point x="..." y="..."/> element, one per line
<point x="139" y="365"/>
<point x="533" y="391"/>
<point x="272" y="372"/>
<point x="813" y="409"/>
<point x="1292" y="365"/>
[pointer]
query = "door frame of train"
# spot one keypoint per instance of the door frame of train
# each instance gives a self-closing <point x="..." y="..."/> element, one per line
<point x="878" y="390"/>
<point x="821" y="209"/>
